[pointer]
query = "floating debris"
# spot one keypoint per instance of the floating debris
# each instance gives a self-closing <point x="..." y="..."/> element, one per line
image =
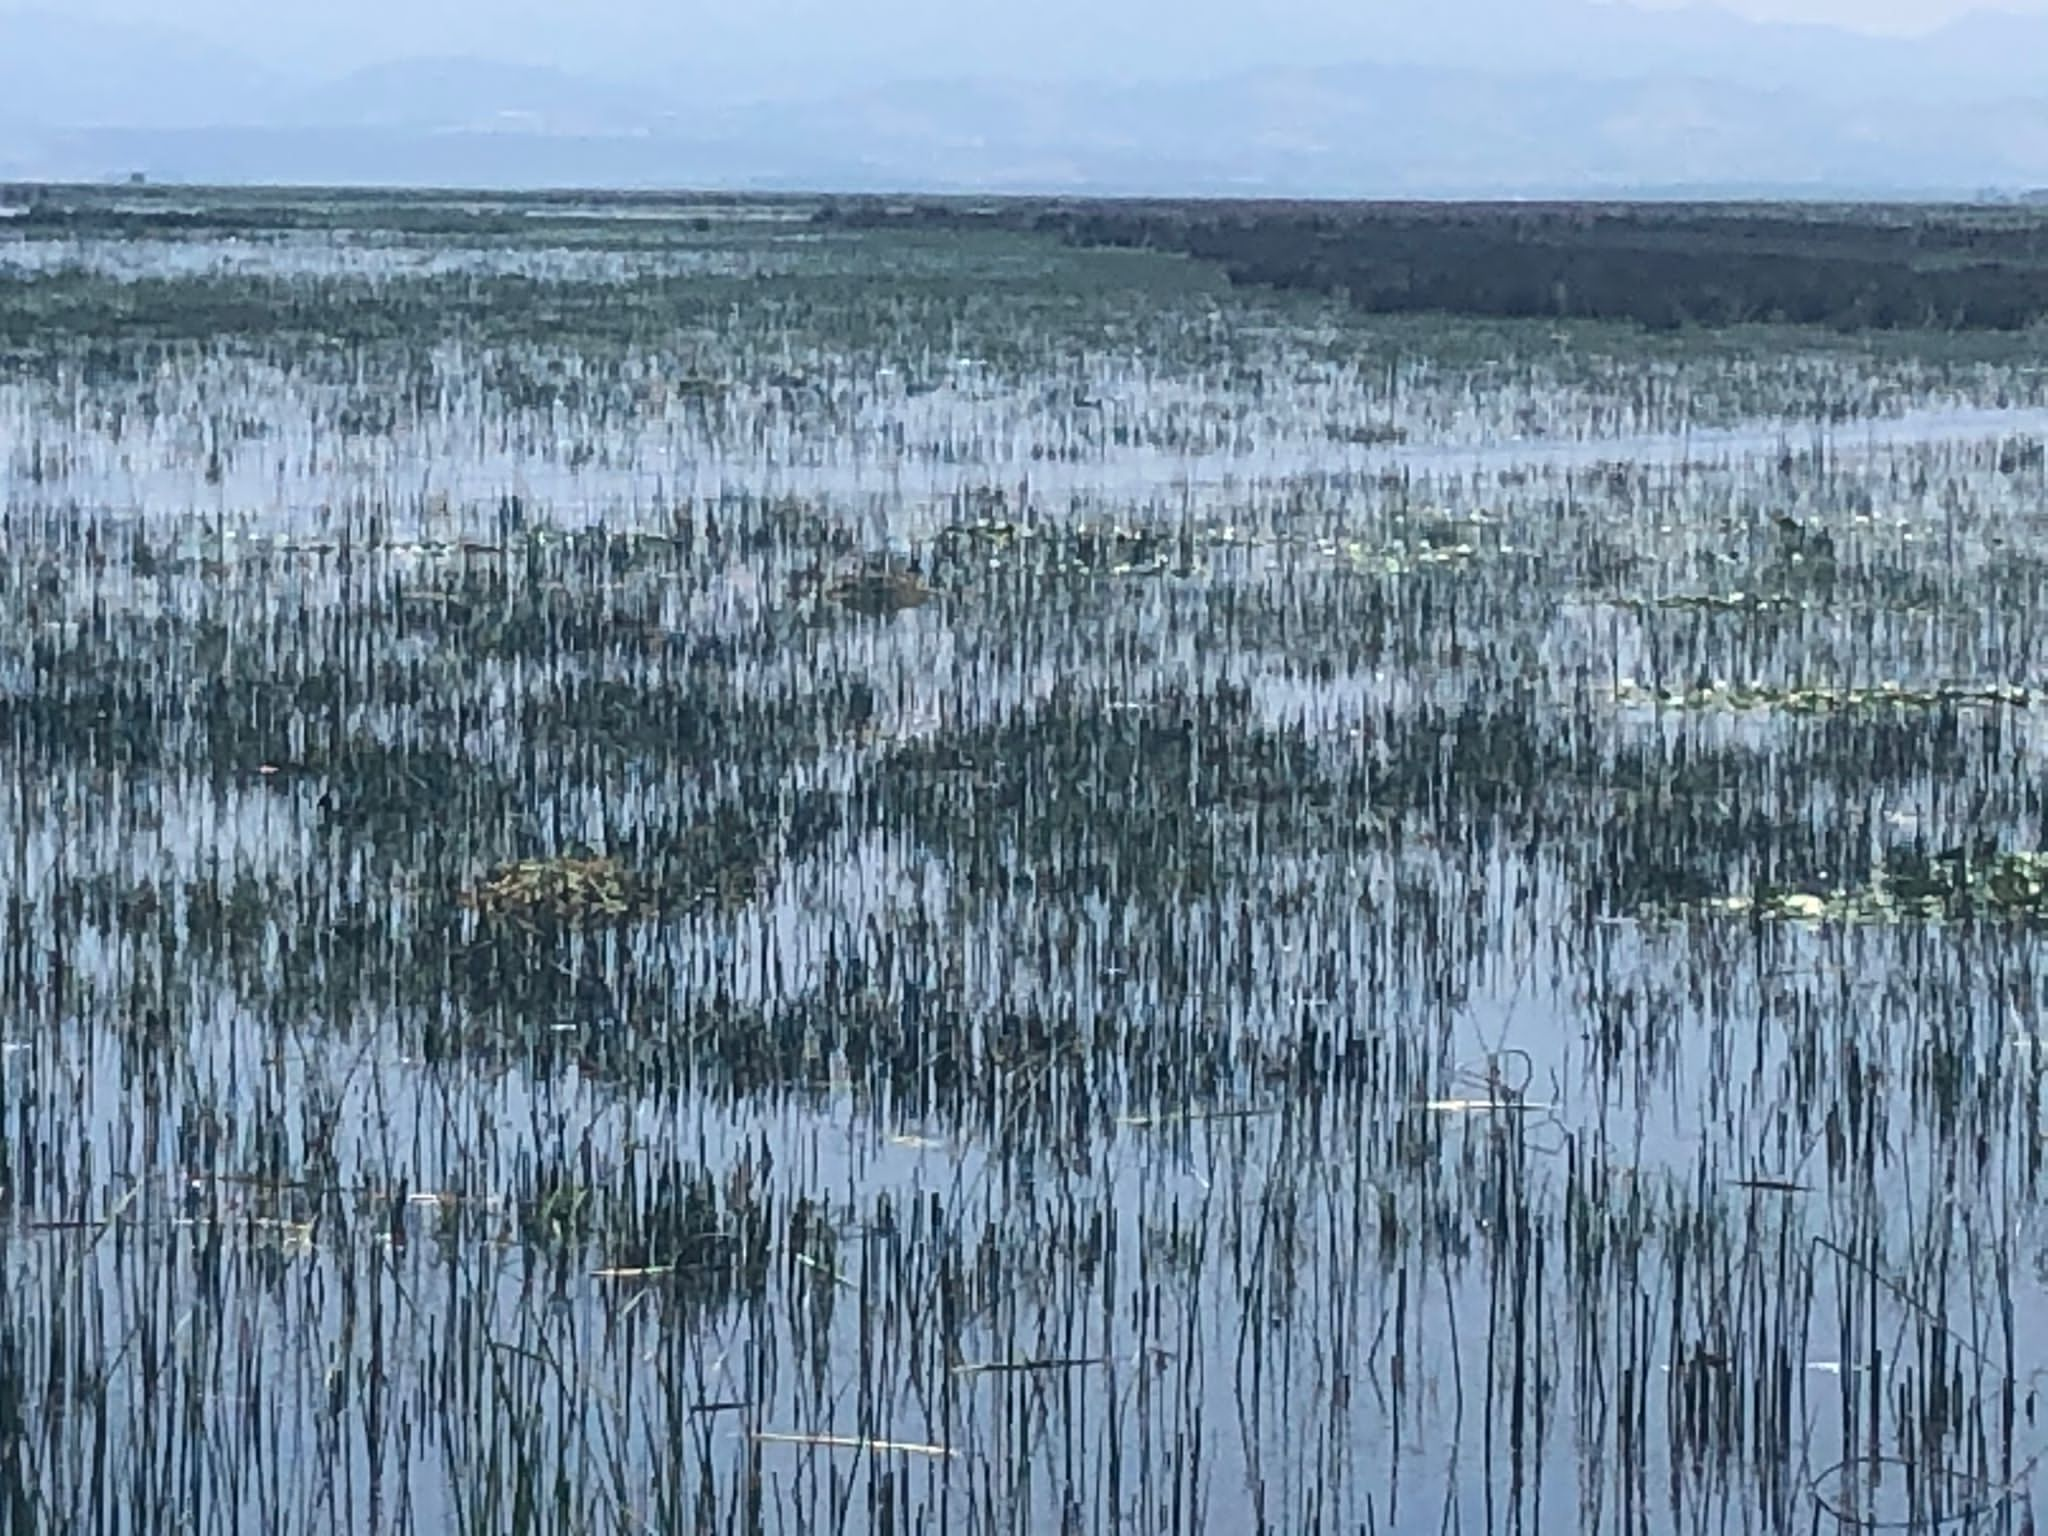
<point x="879" y="593"/>
<point x="853" y="1443"/>
<point x="1025" y="1367"/>
<point x="1190" y="1117"/>
<point x="1711" y="602"/>
<point x="1371" y="434"/>
<point x="1483" y="1106"/>
<point x="559" y="890"/>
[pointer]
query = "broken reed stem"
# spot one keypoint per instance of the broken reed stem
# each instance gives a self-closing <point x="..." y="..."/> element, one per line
<point x="851" y="1443"/>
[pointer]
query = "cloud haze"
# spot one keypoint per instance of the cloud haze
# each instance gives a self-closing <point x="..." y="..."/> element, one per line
<point x="1881" y="16"/>
<point x="1302" y="97"/>
<point x="806" y="43"/>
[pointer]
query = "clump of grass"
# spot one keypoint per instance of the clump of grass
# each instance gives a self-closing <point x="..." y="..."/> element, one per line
<point x="566" y="889"/>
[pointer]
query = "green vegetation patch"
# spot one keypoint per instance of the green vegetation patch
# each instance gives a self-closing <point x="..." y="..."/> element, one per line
<point x="1911" y="886"/>
<point x="1817" y="699"/>
<point x="1103" y="548"/>
<point x="1663" y="266"/>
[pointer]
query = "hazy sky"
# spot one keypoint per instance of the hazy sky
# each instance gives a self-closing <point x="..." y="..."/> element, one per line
<point x="1864" y="15"/>
<point x="485" y="22"/>
<point x="659" y="38"/>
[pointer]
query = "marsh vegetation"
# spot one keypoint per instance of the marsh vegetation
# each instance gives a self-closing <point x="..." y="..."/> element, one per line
<point x="1665" y="265"/>
<point x="670" y="867"/>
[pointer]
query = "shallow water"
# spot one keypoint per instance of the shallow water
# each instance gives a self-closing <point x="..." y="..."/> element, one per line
<point x="1220" y="1033"/>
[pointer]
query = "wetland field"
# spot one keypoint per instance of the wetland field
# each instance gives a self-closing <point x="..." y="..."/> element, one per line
<point x="688" y="866"/>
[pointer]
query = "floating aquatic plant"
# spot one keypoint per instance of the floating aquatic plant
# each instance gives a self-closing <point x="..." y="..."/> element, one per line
<point x="567" y="889"/>
<point x="1912" y="887"/>
<point x="1721" y="695"/>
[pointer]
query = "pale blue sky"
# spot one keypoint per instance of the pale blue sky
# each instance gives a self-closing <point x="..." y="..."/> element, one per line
<point x="1314" y="95"/>
<point x="702" y="48"/>
<point x="309" y="31"/>
<point x="1864" y="15"/>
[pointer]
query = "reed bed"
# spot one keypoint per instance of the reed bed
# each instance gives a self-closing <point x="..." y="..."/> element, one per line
<point x="694" y="873"/>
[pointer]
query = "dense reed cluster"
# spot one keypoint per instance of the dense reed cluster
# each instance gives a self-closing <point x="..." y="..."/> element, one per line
<point x="1664" y="265"/>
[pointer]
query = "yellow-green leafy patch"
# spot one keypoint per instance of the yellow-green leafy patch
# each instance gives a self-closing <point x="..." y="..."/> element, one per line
<point x="1910" y="888"/>
<point x="1821" y="699"/>
<point x="558" y="890"/>
<point x="1107" y="549"/>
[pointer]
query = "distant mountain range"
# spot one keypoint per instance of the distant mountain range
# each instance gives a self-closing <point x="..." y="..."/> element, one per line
<point x="1566" y="97"/>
